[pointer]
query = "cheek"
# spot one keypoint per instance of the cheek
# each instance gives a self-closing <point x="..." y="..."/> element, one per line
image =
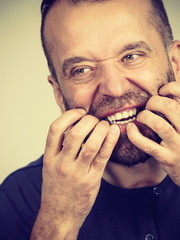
<point x="79" y="96"/>
<point x="148" y="80"/>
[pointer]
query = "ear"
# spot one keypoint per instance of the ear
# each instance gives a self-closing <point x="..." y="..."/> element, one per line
<point x="174" y="56"/>
<point x="57" y="92"/>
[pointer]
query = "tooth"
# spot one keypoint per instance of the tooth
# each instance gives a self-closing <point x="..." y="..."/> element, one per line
<point x="130" y="113"/>
<point x="118" y="116"/>
<point x="113" y="118"/>
<point x="125" y="114"/>
<point x="120" y="122"/>
<point x="134" y="111"/>
<point x="127" y="121"/>
<point x="109" y="118"/>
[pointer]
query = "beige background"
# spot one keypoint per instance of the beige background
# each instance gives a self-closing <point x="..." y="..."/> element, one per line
<point x="27" y="105"/>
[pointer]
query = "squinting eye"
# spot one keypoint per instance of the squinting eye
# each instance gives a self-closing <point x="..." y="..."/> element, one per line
<point x="81" y="71"/>
<point x="82" y="74"/>
<point x="130" y="57"/>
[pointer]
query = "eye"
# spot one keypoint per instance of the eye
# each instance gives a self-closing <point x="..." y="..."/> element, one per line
<point x="82" y="74"/>
<point x="80" y="71"/>
<point x="130" y="57"/>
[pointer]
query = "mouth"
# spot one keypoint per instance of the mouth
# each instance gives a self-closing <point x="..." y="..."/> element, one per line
<point x="124" y="117"/>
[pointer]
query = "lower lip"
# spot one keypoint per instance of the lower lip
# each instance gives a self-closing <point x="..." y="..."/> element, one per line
<point x="124" y="125"/>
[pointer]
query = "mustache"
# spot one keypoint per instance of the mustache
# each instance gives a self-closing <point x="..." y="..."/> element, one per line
<point x="132" y="97"/>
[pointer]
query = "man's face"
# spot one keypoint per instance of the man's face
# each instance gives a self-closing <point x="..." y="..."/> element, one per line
<point x="109" y="61"/>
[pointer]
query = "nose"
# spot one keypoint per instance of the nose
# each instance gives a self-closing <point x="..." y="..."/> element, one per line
<point x="113" y="80"/>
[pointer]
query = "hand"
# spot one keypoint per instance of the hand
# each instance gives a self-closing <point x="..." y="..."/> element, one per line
<point x="168" y="151"/>
<point x="72" y="173"/>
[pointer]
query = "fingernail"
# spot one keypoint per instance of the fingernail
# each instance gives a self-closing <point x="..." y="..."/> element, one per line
<point x="129" y="126"/>
<point x="81" y="110"/>
<point x="114" y="129"/>
<point x="159" y="90"/>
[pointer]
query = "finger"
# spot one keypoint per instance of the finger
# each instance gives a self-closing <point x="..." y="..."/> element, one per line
<point x="57" y="129"/>
<point x="145" y="144"/>
<point x="76" y="136"/>
<point x="104" y="154"/>
<point x="92" y="145"/>
<point x="172" y="88"/>
<point x="169" y="107"/>
<point x="158" y="125"/>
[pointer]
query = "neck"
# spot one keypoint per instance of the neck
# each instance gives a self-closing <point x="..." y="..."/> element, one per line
<point x="145" y="174"/>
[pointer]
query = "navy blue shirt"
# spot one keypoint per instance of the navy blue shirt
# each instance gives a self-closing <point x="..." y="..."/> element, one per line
<point x="118" y="214"/>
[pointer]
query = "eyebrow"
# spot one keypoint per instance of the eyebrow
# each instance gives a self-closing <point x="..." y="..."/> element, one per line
<point x="135" y="45"/>
<point x="78" y="59"/>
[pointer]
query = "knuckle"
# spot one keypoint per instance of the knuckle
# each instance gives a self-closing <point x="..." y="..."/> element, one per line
<point x="92" y="149"/>
<point x="161" y="125"/>
<point x="74" y="134"/>
<point x="85" y="156"/>
<point x="158" y="125"/>
<point x="54" y="128"/>
<point x="147" y="149"/>
<point x="103" y="154"/>
<point x="67" y="146"/>
<point x="170" y="162"/>
<point x="172" y="105"/>
<point x="88" y="152"/>
<point x="168" y="131"/>
<point x="98" y="165"/>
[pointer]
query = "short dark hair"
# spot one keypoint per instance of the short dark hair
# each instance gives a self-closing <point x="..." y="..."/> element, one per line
<point x="158" y="19"/>
<point x="45" y="6"/>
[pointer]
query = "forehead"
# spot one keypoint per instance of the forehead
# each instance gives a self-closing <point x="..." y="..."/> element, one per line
<point x="70" y="29"/>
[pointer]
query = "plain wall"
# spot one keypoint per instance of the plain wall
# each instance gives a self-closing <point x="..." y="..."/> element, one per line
<point x="26" y="98"/>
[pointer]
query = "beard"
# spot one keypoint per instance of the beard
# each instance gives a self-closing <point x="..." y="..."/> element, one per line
<point x="125" y="153"/>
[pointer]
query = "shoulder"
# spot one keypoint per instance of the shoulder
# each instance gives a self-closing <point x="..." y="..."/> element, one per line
<point x="20" y="195"/>
<point x="25" y="181"/>
<point x="31" y="172"/>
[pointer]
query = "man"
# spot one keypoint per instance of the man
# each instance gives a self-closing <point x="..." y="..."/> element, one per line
<point x="111" y="167"/>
